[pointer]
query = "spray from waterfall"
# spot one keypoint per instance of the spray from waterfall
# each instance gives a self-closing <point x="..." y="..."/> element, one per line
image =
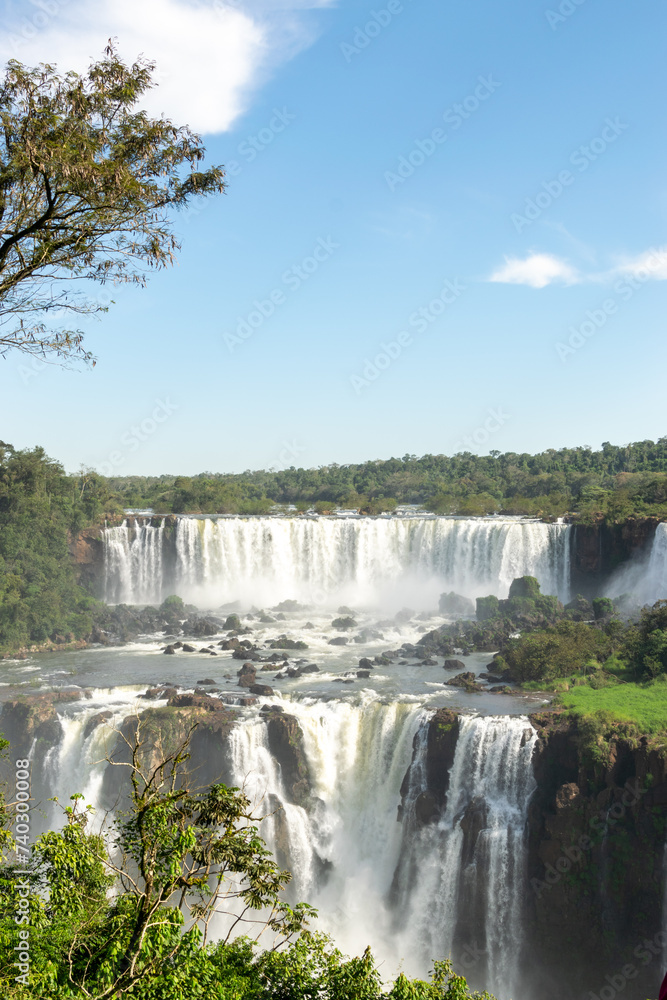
<point x="367" y="561"/>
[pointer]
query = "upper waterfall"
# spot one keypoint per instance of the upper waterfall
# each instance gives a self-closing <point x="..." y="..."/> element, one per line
<point x="328" y="560"/>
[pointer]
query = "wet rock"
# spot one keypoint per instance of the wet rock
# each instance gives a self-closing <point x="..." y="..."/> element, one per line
<point x="454" y="604"/>
<point x="344" y="623"/>
<point x="246" y="654"/>
<point x="200" y="627"/>
<point x="340" y="640"/>
<point x="282" y="642"/>
<point x="169" y="650"/>
<point x="365" y="663"/>
<point x="467" y="681"/>
<point x="187" y="648"/>
<point x="454" y="665"/>
<point x="289" y="605"/>
<point x="263" y="690"/>
<point x="96" y="721"/>
<point x="229" y="644"/>
<point x="247" y="675"/>
<point x="232" y="622"/>
<point x="426" y="808"/>
<point x="363" y="674"/>
<point x="286" y="744"/>
<point x="207" y="680"/>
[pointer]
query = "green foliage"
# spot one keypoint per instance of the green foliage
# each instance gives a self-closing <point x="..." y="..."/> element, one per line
<point x="173" y="603"/>
<point x="88" y="181"/>
<point x="610" y="484"/>
<point x="602" y="607"/>
<point x="525" y="586"/>
<point x="646" y="644"/>
<point x="556" y="651"/>
<point x="487" y="608"/>
<point x="39" y="507"/>
<point x="179" y="856"/>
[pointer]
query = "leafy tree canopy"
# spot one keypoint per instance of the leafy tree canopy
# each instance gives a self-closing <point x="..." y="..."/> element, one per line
<point x="87" y="182"/>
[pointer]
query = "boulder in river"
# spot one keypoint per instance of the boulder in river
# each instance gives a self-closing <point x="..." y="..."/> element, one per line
<point x="247" y="675"/>
<point x="454" y="665"/>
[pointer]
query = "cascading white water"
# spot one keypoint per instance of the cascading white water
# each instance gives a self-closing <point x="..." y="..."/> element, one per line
<point x="133" y="563"/>
<point x="328" y="560"/>
<point x="412" y="894"/>
<point x="655" y="581"/>
<point x="645" y="579"/>
<point x="78" y="762"/>
<point x="343" y="852"/>
<point x="461" y="880"/>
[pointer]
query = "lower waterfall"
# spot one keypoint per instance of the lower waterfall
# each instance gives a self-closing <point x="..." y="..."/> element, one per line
<point x="414" y="893"/>
<point x="454" y="888"/>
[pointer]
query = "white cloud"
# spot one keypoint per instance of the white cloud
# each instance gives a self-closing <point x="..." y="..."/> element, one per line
<point x="650" y="264"/>
<point x="536" y="270"/>
<point x="210" y="54"/>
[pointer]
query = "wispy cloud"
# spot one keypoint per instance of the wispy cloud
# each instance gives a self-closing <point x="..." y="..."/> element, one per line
<point x="537" y="270"/>
<point x="541" y="269"/>
<point x="210" y="54"/>
<point x="650" y="264"/>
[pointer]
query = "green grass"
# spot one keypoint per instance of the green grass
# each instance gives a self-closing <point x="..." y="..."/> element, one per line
<point x="643" y="704"/>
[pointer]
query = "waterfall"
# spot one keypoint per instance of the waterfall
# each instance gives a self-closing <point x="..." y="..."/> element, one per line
<point x="133" y="563"/>
<point x="77" y="763"/>
<point x="328" y="560"/>
<point x="342" y="851"/>
<point x="461" y="880"/>
<point x="644" y="578"/>
<point x="655" y="582"/>
<point x="453" y="888"/>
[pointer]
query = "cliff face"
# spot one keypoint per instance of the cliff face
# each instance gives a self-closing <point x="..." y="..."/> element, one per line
<point x="596" y="835"/>
<point x="87" y="552"/>
<point x="597" y="550"/>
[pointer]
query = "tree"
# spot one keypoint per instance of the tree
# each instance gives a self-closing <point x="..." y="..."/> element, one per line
<point x="179" y="856"/>
<point x="87" y="182"/>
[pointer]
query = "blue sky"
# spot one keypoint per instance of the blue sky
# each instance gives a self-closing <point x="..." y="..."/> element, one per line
<point x="444" y="229"/>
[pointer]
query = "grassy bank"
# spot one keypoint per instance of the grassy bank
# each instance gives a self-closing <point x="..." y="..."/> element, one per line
<point x="645" y="705"/>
